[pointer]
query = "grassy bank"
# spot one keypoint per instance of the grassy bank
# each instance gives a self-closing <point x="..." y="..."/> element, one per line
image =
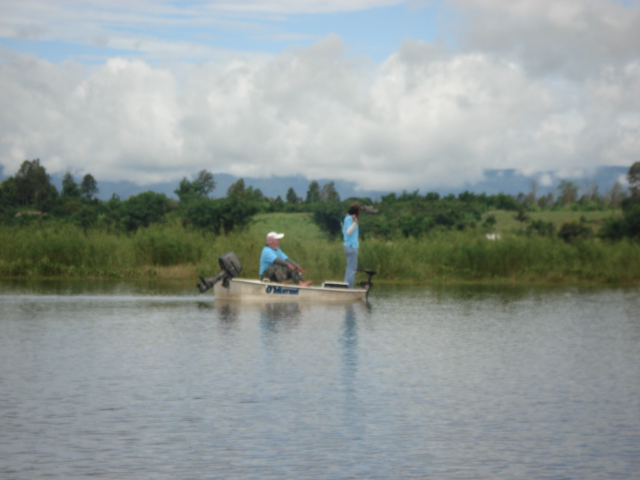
<point x="169" y="251"/>
<point x="506" y="222"/>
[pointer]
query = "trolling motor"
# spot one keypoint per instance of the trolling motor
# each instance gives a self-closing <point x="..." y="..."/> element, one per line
<point x="231" y="267"/>
<point x="368" y="283"/>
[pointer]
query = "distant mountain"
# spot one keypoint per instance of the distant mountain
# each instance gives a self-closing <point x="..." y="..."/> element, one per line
<point x="511" y="182"/>
<point x="270" y="187"/>
<point x="507" y="181"/>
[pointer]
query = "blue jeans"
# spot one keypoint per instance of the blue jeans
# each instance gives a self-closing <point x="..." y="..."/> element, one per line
<point x="352" y="265"/>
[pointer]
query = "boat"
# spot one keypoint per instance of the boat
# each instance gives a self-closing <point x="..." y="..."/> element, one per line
<point x="251" y="290"/>
<point x="228" y="286"/>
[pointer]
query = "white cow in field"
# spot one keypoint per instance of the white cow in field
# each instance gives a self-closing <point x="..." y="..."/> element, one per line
<point x="493" y="236"/>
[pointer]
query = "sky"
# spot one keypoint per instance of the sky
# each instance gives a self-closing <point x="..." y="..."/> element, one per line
<point x="388" y="94"/>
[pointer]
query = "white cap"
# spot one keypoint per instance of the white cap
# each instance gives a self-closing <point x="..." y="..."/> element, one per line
<point x="275" y="235"/>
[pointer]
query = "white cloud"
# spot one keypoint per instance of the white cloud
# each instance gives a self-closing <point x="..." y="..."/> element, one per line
<point x="536" y="86"/>
<point x="299" y="6"/>
<point x="551" y="37"/>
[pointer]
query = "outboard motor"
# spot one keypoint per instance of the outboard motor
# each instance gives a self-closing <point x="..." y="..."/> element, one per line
<point x="231" y="267"/>
<point x="368" y="283"/>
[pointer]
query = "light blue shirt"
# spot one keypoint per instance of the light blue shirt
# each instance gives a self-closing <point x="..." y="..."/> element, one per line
<point x="349" y="240"/>
<point x="269" y="256"/>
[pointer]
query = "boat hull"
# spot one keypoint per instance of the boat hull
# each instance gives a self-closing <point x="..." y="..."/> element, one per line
<point x="255" y="290"/>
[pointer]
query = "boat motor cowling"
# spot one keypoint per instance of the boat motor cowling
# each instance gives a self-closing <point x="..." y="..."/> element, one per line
<point x="231" y="267"/>
<point x="229" y="263"/>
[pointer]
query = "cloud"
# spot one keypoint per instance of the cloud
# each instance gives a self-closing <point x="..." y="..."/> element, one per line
<point x="429" y="116"/>
<point x="550" y="37"/>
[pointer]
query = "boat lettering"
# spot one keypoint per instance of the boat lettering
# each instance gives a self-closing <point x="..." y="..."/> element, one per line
<point x="282" y="290"/>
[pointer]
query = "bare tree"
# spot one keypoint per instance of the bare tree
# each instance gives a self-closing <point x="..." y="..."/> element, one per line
<point x="328" y="193"/>
<point x="615" y="195"/>
<point x="568" y="192"/>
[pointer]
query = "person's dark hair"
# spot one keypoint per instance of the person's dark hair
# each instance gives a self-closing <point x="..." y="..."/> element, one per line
<point x="354" y="209"/>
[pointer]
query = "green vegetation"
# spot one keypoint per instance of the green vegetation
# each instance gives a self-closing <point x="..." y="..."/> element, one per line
<point x="42" y="249"/>
<point x="407" y="238"/>
<point x="507" y="222"/>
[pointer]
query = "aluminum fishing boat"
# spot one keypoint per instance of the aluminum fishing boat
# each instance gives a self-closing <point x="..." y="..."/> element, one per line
<point x="227" y="286"/>
<point x="256" y="290"/>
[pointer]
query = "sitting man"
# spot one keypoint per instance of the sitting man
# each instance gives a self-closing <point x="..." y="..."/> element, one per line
<point x="275" y="266"/>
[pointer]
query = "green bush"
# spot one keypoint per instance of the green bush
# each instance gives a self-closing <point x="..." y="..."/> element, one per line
<point x="220" y="216"/>
<point x="614" y="229"/>
<point x="542" y="228"/>
<point x="329" y="216"/>
<point x="143" y="210"/>
<point x="569" y="231"/>
<point x="631" y="212"/>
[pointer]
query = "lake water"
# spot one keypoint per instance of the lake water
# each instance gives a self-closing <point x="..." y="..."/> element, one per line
<point x="141" y="380"/>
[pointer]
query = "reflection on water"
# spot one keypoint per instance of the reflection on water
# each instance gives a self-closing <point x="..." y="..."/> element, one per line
<point x="152" y="380"/>
<point x="276" y="317"/>
<point x="353" y="418"/>
<point x="349" y="339"/>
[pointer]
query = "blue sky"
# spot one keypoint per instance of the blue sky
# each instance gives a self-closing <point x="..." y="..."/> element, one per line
<point x="376" y="32"/>
<point x="388" y="94"/>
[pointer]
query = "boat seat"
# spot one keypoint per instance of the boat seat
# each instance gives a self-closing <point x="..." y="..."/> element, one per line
<point x="335" y="285"/>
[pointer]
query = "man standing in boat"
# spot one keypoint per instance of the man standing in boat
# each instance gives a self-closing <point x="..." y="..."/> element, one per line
<point x="350" y="235"/>
<point x="275" y="266"/>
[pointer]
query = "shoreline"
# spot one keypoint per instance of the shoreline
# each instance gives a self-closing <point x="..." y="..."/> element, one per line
<point x="165" y="274"/>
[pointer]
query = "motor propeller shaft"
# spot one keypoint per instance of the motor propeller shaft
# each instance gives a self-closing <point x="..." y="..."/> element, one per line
<point x="207" y="283"/>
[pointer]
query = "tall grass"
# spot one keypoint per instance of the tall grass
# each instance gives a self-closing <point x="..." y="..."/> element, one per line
<point x="61" y="250"/>
<point x="170" y="251"/>
<point x="467" y="256"/>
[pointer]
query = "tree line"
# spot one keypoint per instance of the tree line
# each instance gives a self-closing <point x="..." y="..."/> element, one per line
<point x="30" y="196"/>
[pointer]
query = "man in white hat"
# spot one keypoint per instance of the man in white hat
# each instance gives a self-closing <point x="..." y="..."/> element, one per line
<point x="276" y="266"/>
